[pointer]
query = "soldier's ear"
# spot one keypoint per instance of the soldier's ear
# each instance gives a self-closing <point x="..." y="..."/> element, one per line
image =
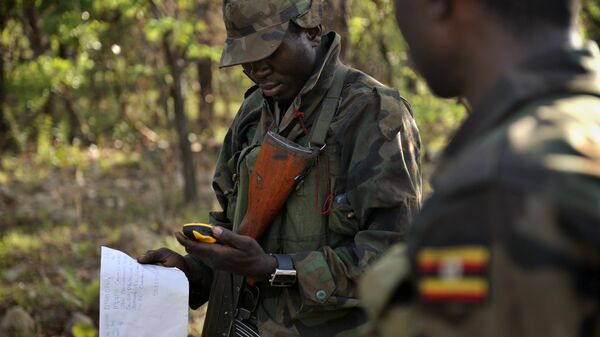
<point x="314" y="35"/>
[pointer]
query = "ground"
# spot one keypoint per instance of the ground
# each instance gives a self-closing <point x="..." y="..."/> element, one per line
<point x="57" y="210"/>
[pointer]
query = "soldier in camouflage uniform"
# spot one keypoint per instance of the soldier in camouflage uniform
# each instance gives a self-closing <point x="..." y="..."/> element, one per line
<point x="509" y="244"/>
<point x="351" y="206"/>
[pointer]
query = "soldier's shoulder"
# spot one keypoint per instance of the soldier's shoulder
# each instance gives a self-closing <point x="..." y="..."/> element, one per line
<point x="390" y="110"/>
<point x="253" y="98"/>
<point x="553" y="147"/>
<point x="549" y="142"/>
<point x="359" y="83"/>
<point x="250" y="107"/>
<point x="567" y="125"/>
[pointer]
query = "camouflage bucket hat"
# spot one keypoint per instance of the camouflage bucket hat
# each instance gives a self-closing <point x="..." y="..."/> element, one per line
<point x="255" y="28"/>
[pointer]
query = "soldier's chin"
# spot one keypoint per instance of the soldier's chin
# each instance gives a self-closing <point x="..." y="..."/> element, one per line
<point x="273" y="91"/>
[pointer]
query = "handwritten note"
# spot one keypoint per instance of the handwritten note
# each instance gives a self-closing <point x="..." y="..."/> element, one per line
<point x="141" y="300"/>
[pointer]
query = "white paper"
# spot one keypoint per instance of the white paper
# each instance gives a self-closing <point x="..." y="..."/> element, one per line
<point x="141" y="300"/>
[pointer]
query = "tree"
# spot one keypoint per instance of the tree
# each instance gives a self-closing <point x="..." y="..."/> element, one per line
<point x="5" y="9"/>
<point x="176" y="62"/>
<point x="336" y="18"/>
<point x="212" y="35"/>
<point x="591" y="19"/>
<point x="4" y="127"/>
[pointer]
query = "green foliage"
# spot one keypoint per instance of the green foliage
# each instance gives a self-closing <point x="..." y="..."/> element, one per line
<point x="78" y="292"/>
<point x="84" y="330"/>
<point x="591" y="19"/>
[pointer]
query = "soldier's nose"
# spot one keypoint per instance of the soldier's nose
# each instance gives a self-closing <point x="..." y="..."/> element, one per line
<point x="258" y="69"/>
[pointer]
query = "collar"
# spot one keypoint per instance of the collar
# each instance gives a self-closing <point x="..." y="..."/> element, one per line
<point x="568" y="70"/>
<point x="312" y="93"/>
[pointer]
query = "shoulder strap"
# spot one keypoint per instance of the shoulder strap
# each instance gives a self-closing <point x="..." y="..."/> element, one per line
<point x="329" y="107"/>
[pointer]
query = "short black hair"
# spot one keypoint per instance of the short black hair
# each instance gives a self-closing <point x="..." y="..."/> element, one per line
<point x="522" y="16"/>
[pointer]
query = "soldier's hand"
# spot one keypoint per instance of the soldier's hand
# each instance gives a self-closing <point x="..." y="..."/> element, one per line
<point x="234" y="253"/>
<point x="164" y="257"/>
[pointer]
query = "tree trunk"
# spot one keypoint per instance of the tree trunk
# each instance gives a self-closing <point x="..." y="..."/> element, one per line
<point x="383" y="49"/>
<point x="4" y="127"/>
<point x="32" y="30"/>
<point x="78" y="125"/>
<point x="206" y="95"/>
<point x="187" y="158"/>
<point x="336" y="19"/>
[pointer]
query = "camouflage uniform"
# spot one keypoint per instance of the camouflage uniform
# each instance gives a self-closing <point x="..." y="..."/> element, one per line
<point x="509" y="244"/>
<point x="370" y="164"/>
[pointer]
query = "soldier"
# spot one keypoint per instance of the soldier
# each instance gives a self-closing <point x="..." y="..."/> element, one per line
<point x="509" y="243"/>
<point x="351" y="206"/>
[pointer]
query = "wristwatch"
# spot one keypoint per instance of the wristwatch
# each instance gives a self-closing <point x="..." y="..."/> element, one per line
<point x="285" y="274"/>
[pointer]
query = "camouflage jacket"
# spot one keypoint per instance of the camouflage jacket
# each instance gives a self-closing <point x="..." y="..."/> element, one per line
<point x="509" y="244"/>
<point x="370" y="163"/>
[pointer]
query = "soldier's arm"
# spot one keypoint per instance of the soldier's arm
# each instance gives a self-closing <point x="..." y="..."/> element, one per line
<point x="490" y="258"/>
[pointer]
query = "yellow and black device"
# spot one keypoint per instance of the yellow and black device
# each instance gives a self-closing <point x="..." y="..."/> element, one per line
<point x="200" y="232"/>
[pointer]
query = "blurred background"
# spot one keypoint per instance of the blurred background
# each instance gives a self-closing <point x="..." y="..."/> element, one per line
<point x="111" y="116"/>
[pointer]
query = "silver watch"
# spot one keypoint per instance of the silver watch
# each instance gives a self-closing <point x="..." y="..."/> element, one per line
<point x="285" y="274"/>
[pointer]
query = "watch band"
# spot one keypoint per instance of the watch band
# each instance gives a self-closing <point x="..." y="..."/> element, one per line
<point x="285" y="274"/>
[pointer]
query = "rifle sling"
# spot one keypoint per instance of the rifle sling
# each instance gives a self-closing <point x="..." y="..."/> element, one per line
<point x="329" y="107"/>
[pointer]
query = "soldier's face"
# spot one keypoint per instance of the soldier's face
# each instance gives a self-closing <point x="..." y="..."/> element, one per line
<point x="283" y="74"/>
<point x="432" y="48"/>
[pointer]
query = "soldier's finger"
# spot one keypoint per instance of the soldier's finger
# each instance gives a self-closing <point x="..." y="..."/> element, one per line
<point x="146" y="258"/>
<point x="197" y="248"/>
<point x="152" y="256"/>
<point x="227" y="237"/>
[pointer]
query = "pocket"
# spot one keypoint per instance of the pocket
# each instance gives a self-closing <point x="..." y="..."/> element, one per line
<point x="248" y="158"/>
<point x="342" y="219"/>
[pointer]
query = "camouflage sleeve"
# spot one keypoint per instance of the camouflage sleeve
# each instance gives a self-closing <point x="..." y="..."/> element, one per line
<point x="378" y="194"/>
<point x="499" y="257"/>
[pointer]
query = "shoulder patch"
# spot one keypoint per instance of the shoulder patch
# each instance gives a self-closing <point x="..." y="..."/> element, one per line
<point x="392" y="112"/>
<point x="453" y="274"/>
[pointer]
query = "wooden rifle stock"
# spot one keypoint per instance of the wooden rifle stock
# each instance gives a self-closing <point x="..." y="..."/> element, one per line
<point x="278" y="166"/>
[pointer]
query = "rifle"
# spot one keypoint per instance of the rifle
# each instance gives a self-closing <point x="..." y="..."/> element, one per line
<point x="279" y="166"/>
<point x="281" y="163"/>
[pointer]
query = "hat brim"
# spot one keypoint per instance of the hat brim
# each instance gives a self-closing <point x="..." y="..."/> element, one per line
<point x="253" y="47"/>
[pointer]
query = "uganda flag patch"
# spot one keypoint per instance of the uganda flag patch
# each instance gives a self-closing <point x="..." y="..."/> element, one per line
<point x="453" y="274"/>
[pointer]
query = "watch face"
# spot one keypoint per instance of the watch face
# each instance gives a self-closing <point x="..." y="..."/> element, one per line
<point x="283" y="278"/>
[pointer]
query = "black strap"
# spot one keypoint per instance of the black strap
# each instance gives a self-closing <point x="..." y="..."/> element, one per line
<point x="284" y="261"/>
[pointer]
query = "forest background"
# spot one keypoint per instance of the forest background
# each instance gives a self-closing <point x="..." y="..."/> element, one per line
<point x="111" y="116"/>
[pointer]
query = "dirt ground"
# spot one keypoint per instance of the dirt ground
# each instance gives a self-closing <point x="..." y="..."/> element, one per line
<point x="53" y="221"/>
